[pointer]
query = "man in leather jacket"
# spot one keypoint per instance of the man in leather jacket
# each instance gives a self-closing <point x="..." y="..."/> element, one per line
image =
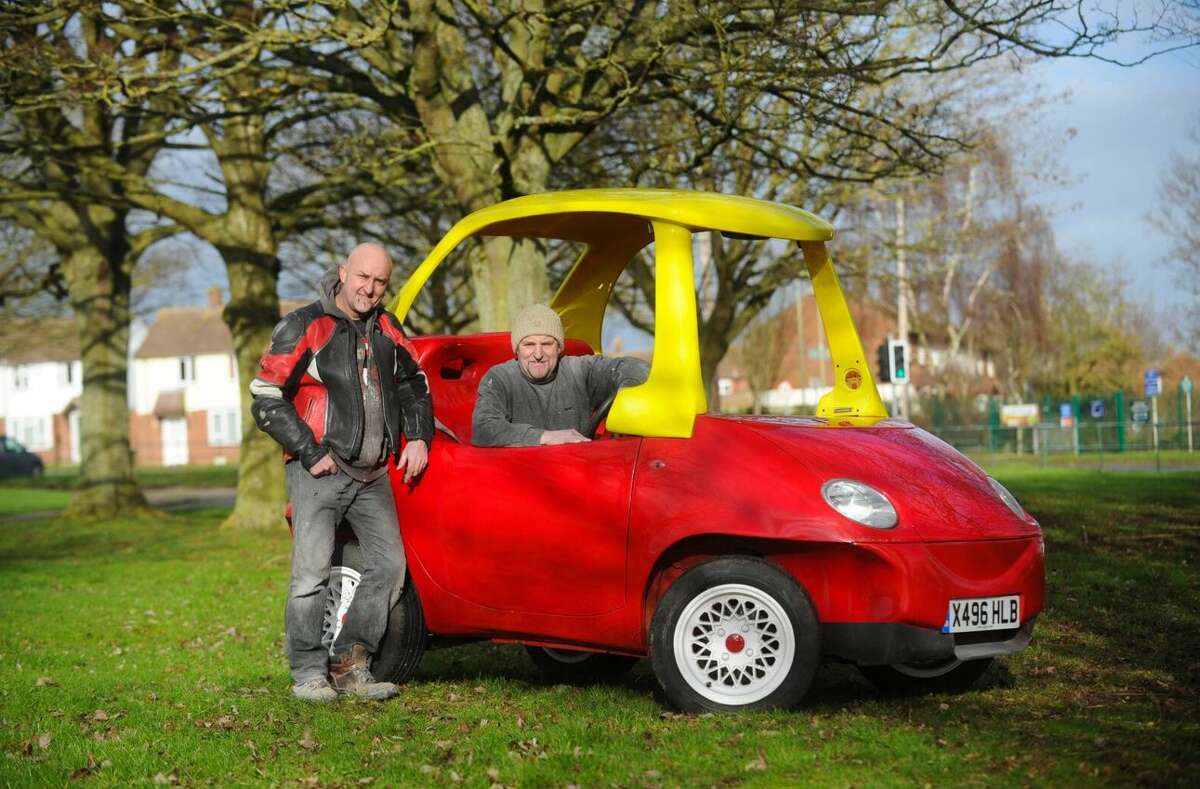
<point x="338" y="388"/>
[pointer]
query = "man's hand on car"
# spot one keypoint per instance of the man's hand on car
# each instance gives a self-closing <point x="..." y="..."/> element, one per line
<point x="413" y="459"/>
<point x="323" y="467"/>
<point x="569" y="436"/>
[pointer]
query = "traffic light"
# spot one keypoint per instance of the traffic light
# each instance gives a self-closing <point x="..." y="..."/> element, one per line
<point x="885" y="362"/>
<point x="898" y="356"/>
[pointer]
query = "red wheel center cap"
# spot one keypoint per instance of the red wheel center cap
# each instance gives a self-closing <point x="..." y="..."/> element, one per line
<point x="735" y="643"/>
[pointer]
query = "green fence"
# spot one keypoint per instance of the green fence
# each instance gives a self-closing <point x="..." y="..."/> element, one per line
<point x="1085" y="426"/>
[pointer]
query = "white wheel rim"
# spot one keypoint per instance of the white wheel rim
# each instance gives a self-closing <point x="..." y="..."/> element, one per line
<point x="928" y="670"/>
<point x="343" y="582"/>
<point x="734" y="644"/>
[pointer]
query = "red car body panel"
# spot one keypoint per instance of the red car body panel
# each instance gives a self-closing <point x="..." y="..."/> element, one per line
<point x="572" y="545"/>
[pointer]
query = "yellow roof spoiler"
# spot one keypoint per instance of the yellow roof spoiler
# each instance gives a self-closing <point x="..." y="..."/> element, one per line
<point x="613" y="225"/>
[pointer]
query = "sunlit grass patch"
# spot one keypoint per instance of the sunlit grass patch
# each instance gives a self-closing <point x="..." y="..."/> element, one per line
<point x="144" y="650"/>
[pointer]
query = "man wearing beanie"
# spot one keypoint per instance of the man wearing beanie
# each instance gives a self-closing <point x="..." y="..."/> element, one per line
<point x="541" y="397"/>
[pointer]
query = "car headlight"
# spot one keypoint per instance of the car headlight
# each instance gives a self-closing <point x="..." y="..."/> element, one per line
<point x="860" y="503"/>
<point x="1009" y="499"/>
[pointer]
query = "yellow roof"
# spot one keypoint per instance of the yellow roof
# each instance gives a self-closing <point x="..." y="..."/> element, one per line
<point x="534" y="215"/>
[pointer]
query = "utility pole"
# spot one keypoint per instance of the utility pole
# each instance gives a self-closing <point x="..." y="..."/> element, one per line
<point x="902" y="397"/>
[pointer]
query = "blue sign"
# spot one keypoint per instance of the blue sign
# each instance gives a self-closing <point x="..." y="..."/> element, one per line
<point x="1153" y="382"/>
<point x="1066" y="416"/>
<point x="1097" y="409"/>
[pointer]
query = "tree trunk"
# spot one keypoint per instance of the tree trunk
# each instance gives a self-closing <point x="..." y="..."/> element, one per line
<point x="248" y="245"/>
<point x="99" y="287"/>
<point x="251" y="314"/>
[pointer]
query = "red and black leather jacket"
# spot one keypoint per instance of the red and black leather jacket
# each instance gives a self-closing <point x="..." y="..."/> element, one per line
<point x="308" y="393"/>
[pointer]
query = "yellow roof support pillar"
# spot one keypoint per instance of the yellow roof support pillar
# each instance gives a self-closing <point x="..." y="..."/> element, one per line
<point x="667" y="404"/>
<point x="854" y="393"/>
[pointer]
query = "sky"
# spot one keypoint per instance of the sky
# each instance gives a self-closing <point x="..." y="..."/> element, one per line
<point x="1126" y="122"/>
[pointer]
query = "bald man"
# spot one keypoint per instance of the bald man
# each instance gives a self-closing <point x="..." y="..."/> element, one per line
<point x="338" y="388"/>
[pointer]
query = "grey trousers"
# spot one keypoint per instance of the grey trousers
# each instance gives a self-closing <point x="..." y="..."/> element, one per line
<point x="319" y="504"/>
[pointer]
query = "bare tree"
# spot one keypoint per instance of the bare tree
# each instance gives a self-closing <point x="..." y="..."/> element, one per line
<point x="1178" y="216"/>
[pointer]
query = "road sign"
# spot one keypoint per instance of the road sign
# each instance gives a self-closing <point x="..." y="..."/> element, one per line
<point x="1186" y="384"/>
<point x="1153" y="382"/>
<point x="1019" y="415"/>
<point x="1066" y="417"/>
<point x="1140" y="411"/>
<point x="1097" y="409"/>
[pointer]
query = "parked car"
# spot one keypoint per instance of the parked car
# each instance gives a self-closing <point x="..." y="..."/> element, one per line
<point x="16" y="461"/>
<point x="736" y="552"/>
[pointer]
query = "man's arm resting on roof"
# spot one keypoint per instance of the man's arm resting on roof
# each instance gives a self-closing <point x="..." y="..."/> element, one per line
<point x="490" y="424"/>
<point x="278" y="371"/>
<point x="605" y="375"/>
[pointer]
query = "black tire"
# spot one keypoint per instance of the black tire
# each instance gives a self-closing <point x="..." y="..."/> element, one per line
<point x="403" y="643"/>
<point x="579" y="668"/>
<point x="950" y="676"/>
<point x="763" y="609"/>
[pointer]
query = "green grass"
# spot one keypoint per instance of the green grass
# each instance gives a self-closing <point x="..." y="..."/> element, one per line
<point x="64" y="477"/>
<point x="1170" y="459"/>
<point x="153" y="648"/>
<point x="14" y="501"/>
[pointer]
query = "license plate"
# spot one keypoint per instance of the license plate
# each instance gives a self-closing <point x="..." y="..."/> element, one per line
<point x="970" y="615"/>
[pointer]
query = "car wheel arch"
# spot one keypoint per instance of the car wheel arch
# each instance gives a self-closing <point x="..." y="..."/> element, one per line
<point x="697" y="549"/>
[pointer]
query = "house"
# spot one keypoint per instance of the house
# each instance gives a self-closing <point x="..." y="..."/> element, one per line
<point x="188" y="404"/>
<point x="798" y="378"/>
<point x="41" y="379"/>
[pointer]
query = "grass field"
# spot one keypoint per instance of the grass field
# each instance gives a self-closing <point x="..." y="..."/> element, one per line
<point x="63" y="477"/>
<point x="150" y="652"/>
<point x="14" y="501"/>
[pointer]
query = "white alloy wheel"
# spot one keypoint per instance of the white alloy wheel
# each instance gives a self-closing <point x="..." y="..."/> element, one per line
<point x="343" y="582"/>
<point x="734" y="644"/>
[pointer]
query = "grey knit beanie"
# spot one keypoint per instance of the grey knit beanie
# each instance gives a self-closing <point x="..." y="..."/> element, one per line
<point x="536" y="319"/>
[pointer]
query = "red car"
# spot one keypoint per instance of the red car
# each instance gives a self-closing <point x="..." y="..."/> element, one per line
<point x="736" y="552"/>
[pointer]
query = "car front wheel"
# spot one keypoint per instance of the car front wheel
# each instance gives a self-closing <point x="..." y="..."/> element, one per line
<point x="947" y="676"/>
<point x="734" y="634"/>
<point x="403" y="643"/>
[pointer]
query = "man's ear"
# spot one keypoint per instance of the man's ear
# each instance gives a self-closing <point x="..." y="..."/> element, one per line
<point x="343" y="272"/>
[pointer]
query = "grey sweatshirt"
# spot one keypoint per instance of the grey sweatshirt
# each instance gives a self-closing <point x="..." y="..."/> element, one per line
<point x="513" y="411"/>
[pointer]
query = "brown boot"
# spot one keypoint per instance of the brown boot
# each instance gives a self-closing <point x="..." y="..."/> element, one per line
<point x="351" y="677"/>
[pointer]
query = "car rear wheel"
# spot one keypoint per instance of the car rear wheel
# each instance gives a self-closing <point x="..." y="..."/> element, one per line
<point x="734" y="634"/>
<point x="403" y="642"/>
<point x="579" y="668"/>
<point x="947" y="676"/>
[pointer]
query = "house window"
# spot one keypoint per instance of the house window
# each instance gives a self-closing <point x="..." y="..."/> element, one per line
<point x="724" y="386"/>
<point x="187" y="369"/>
<point x="224" y="428"/>
<point x="20" y="378"/>
<point x="32" y="431"/>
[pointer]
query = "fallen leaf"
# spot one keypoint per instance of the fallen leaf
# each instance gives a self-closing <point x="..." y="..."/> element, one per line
<point x="367" y="780"/>
<point x="493" y="773"/>
<point x="43" y="741"/>
<point x="166" y="779"/>
<point x="307" y="742"/>
<point x="99" y="715"/>
<point x="653" y="775"/>
<point x="43" y="682"/>
<point x="757" y="764"/>
<point x="86" y="770"/>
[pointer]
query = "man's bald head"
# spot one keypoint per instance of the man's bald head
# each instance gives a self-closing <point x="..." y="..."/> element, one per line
<point x="364" y="277"/>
